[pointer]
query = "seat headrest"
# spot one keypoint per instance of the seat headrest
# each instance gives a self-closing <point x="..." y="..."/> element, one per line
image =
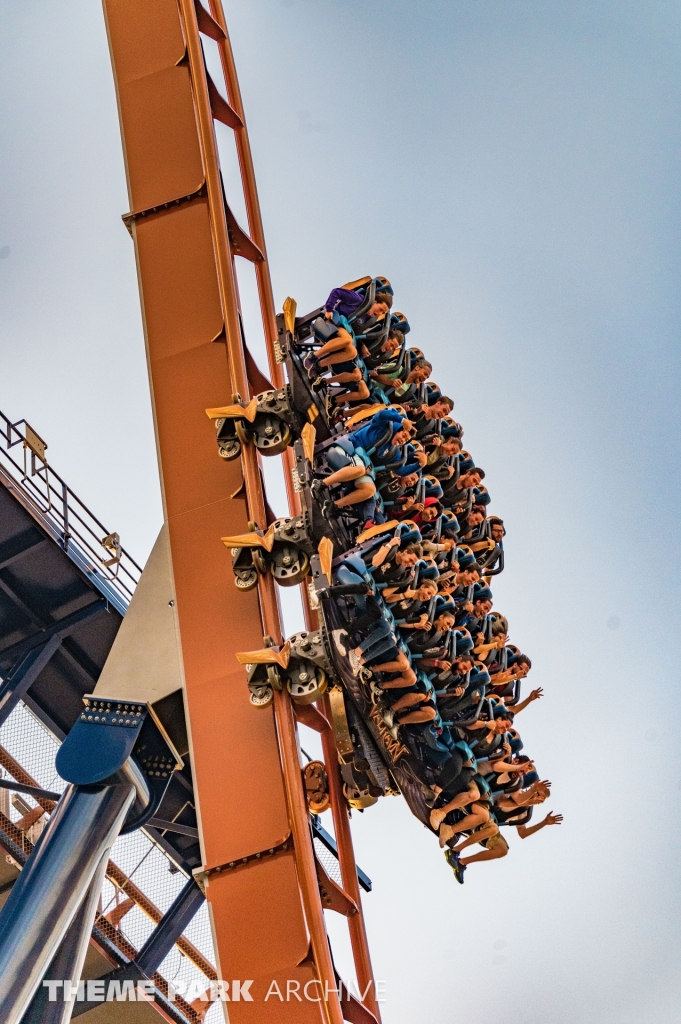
<point x="450" y="428"/>
<point x="433" y="487"/>
<point x="400" y="321"/>
<point x="444" y="605"/>
<point x="464" y="644"/>
<point x="383" y="285"/>
<point x="408" y="532"/>
<point x="427" y="571"/>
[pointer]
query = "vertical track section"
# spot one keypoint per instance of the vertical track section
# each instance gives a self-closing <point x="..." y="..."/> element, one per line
<point x="358" y="936"/>
<point x="266" y="911"/>
<point x="255" y="227"/>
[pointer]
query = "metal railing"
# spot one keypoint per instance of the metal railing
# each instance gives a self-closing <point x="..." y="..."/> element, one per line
<point x="94" y="549"/>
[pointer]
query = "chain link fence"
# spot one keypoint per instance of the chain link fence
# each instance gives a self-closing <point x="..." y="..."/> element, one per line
<point x="33" y="748"/>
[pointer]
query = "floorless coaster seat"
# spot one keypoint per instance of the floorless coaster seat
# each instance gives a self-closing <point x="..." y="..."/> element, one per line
<point x="397" y="754"/>
<point x="273" y="419"/>
<point x="285" y="549"/>
<point x="307" y="666"/>
<point x="375" y="761"/>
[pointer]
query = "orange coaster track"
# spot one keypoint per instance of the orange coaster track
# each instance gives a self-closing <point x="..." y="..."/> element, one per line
<point x="267" y="911"/>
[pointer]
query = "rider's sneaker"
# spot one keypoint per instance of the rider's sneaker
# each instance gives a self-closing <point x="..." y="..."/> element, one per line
<point x="355" y="662"/>
<point x="312" y="366"/>
<point x="455" y="864"/>
<point x="338" y="635"/>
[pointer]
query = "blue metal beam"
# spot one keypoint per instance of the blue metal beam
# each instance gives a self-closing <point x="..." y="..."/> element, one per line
<point x="62" y="629"/>
<point x="24" y="674"/>
<point x="320" y="833"/>
<point x="172" y="826"/>
<point x="37" y="794"/>
<point x="9" y="553"/>
<point x="169" y="929"/>
<point x="156" y="948"/>
<point x="69" y="959"/>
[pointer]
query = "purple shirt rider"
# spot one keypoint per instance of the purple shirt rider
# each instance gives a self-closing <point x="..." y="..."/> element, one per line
<point x="344" y="302"/>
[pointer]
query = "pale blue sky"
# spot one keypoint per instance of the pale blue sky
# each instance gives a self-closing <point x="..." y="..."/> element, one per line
<point x="512" y="166"/>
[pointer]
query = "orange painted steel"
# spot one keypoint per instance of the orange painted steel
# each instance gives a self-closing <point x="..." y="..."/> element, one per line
<point x="346" y="856"/>
<point x="288" y="745"/>
<point x="356" y="924"/>
<point x="267" y="914"/>
<point x="255" y="225"/>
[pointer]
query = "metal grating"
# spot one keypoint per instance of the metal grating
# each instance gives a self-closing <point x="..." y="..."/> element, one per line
<point x="29" y="743"/>
<point x="328" y="861"/>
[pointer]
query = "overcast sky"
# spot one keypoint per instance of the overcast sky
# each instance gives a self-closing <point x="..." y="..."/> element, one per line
<point x="513" y="167"/>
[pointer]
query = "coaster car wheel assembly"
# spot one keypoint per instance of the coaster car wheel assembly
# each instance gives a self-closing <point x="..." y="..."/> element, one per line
<point x="269" y="421"/>
<point x="229" y="442"/>
<point x="316" y="787"/>
<point x="261" y="696"/>
<point x="271" y="436"/>
<point x="263" y="673"/>
<point x="263" y="680"/>
<point x="241" y="433"/>
<point x="307" y="673"/>
<point x="244" y="568"/>
<point x="301" y="665"/>
<point x="289" y="565"/>
<point x="306" y="683"/>
<point x="259" y="561"/>
<point x="284" y="551"/>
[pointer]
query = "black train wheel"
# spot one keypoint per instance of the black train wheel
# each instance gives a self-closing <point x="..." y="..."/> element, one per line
<point x="308" y="684"/>
<point x="241" y="432"/>
<point x="276" y="441"/>
<point x="290" y="566"/>
<point x="229" y="450"/>
<point x="259" y="561"/>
